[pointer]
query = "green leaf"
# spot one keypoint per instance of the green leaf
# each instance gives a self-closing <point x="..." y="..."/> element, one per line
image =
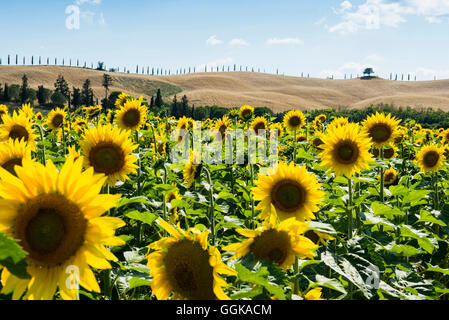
<point x="125" y="201"/>
<point x="436" y="269"/>
<point x="138" y="282"/>
<point x="421" y="237"/>
<point x="399" y="190"/>
<point x="321" y="281"/>
<point x="404" y="250"/>
<point x="343" y="267"/>
<point x="426" y="216"/>
<point x="415" y="197"/>
<point x="380" y="209"/>
<point x="259" y="278"/>
<point x="12" y="256"/>
<point x="302" y="154"/>
<point x="146" y="217"/>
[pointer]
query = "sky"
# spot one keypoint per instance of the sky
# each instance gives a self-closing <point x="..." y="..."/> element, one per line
<point x="322" y="38"/>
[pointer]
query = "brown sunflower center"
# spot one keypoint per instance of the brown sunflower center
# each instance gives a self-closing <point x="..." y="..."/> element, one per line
<point x="294" y="121"/>
<point x="389" y="177"/>
<point x="288" y="195"/>
<point x="131" y="118"/>
<point x="51" y="229"/>
<point x="431" y="158"/>
<point x="57" y="120"/>
<point x="272" y="245"/>
<point x="317" y="142"/>
<point x="107" y="158"/>
<point x="246" y="113"/>
<point x="346" y="152"/>
<point x="18" y="132"/>
<point x="259" y="126"/>
<point x="11" y="163"/>
<point x="388" y="153"/>
<point x="188" y="270"/>
<point x="380" y="133"/>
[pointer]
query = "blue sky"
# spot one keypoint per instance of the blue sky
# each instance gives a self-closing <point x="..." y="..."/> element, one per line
<point x="322" y="38"/>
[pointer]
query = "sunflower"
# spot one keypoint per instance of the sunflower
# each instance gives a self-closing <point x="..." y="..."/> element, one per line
<point x="317" y="144"/>
<point x="18" y="127"/>
<point x="314" y="294"/>
<point x="291" y="190"/>
<point x="321" y="117"/>
<point x="173" y="213"/>
<point x="346" y="149"/>
<point x="183" y="123"/>
<point x="72" y="152"/>
<point x="92" y="111"/>
<point x="222" y="125"/>
<point x="259" y="123"/>
<point x="56" y="218"/>
<point x="318" y="237"/>
<point x="430" y="158"/>
<point x="279" y="243"/>
<point x="338" y="122"/>
<point x="12" y="153"/>
<point x="39" y="117"/>
<point x="109" y="151"/>
<point x="277" y="126"/>
<point x="185" y="266"/>
<point x="294" y="120"/>
<point x="192" y="169"/>
<point x="301" y="137"/>
<point x="161" y="145"/>
<point x="56" y="118"/>
<point x="121" y="100"/>
<point x="390" y="176"/>
<point x="27" y="111"/>
<point x="381" y="129"/>
<point x="132" y="115"/>
<point x="3" y="110"/>
<point x="246" y="112"/>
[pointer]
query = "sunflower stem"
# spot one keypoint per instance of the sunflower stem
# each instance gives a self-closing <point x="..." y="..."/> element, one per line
<point x="251" y="222"/>
<point x="41" y="133"/>
<point x="350" y="208"/>
<point x="296" y="275"/>
<point x="382" y="176"/>
<point x="294" y="146"/>
<point x="212" y="205"/>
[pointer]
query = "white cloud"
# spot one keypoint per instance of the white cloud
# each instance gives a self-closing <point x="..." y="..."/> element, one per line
<point x="273" y="41"/>
<point x="374" y="14"/>
<point x="216" y="63"/>
<point x="213" y="41"/>
<point x="238" y="42"/>
<point x="423" y="73"/>
<point x="320" y="22"/>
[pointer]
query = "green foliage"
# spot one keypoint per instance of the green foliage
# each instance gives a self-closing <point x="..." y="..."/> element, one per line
<point x="12" y="257"/>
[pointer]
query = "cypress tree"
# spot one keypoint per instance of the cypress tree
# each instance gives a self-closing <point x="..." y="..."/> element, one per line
<point x="17" y="59"/>
<point x="152" y="102"/>
<point x="185" y="105"/>
<point x="87" y="94"/>
<point x="174" y="110"/>
<point x="158" y="102"/>
<point x="6" y="93"/>
<point x="9" y="59"/>
<point x="32" y="60"/>
<point x="23" y="89"/>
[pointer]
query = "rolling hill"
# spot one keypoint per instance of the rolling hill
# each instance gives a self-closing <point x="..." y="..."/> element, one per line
<point x="233" y="89"/>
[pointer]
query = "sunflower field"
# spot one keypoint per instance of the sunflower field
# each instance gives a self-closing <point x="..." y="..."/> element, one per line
<point x="93" y="207"/>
